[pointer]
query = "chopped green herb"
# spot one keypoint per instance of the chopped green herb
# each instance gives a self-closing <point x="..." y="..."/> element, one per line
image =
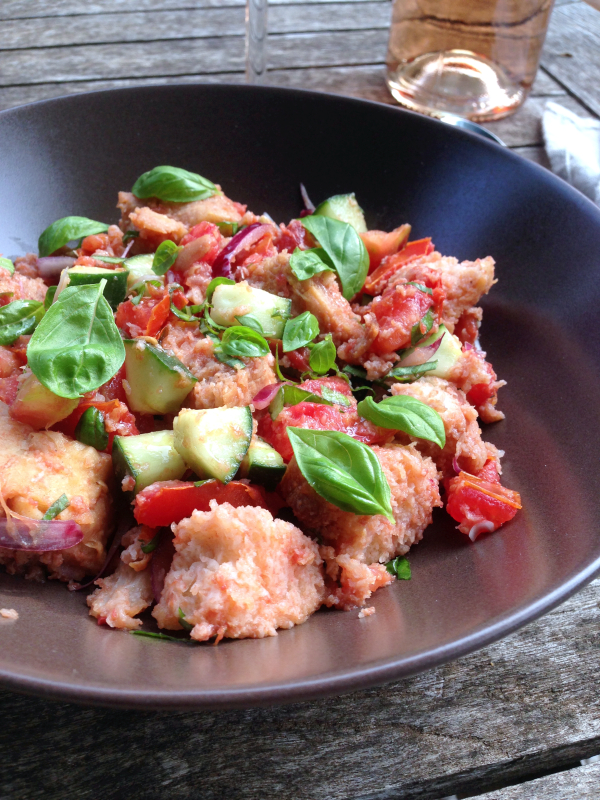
<point x="163" y="636"/>
<point x="56" y="507"/>
<point x="149" y="547"/>
<point x="421" y="330"/>
<point x="187" y="626"/>
<point x="421" y="287"/>
<point x="130" y="235"/>
<point x="410" y="374"/>
<point x="400" y="568"/>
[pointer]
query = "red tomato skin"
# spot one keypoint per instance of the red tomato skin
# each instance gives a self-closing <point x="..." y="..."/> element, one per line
<point x="8" y="389"/>
<point x="397" y="311"/>
<point x="213" y="240"/>
<point x="292" y="236"/>
<point x="380" y="244"/>
<point x="392" y="263"/>
<point x="473" y="499"/>
<point x="165" y="502"/>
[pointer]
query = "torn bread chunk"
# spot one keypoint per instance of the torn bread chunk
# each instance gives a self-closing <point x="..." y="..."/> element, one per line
<point x="463" y="435"/>
<point x="219" y="385"/>
<point x="121" y="596"/>
<point x="239" y="573"/>
<point x="38" y="467"/>
<point x="20" y="287"/>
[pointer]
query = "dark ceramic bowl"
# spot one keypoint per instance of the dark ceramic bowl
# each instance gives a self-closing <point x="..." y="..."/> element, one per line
<point x="70" y="156"/>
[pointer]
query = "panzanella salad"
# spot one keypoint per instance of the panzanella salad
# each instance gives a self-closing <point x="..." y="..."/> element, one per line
<point x="276" y="409"/>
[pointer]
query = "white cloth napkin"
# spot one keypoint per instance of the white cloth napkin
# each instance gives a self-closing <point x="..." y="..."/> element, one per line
<point x="573" y="147"/>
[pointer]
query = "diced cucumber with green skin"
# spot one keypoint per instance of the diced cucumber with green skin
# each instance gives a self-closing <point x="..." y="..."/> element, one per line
<point x="157" y="382"/>
<point x="345" y="208"/>
<point x="38" y="406"/>
<point x="230" y="302"/>
<point x="116" y="281"/>
<point x="147" y="458"/>
<point x="213" y="441"/>
<point x="447" y="354"/>
<point x="140" y="268"/>
<point x="262" y="464"/>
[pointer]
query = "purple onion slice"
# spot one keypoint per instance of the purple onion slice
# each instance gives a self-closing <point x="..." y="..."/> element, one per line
<point x="242" y="239"/>
<point x="39" y="536"/>
<point x="264" y="397"/>
<point x="51" y="266"/>
<point x="420" y="354"/>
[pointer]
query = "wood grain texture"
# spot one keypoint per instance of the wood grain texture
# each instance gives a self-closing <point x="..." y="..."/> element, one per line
<point x="525" y="704"/>
<point x="582" y="783"/>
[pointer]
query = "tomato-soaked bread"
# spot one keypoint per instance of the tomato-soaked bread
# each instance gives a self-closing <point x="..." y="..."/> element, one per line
<point x="463" y="435"/>
<point x="414" y="493"/>
<point x="20" y="287"/>
<point x="38" y="467"/>
<point x="239" y="573"/>
<point x="214" y="209"/>
<point x="218" y="384"/>
<point x="272" y="274"/>
<point x="477" y="379"/>
<point x="349" y="582"/>
<point x="121" y="596"/>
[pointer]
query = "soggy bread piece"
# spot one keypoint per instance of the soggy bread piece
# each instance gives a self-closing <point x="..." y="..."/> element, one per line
<point x="239" y="573"/>
<point x="36" y="468"/>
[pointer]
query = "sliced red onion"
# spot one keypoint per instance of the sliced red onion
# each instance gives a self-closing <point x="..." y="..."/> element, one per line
<point x="244" y="238"/>
<point x="308" y="204"/>
<point x="39" y="536"/>
<point x="468" y="346"/>
<point x="455" y="466"/>
<point x="485" y="526"/>
<point x="264" y="397"/>
<point x="420" y="354"/>
<point x="128" y="248"/>
<point x="161" y="563"/>
<point x="51" y="266"/>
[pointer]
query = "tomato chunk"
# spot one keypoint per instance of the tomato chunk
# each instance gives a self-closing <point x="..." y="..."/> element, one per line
<point x="380" y="244"/>
<point x="391" y="264"/>
<point x="477" y="499"/>
<point x="165" y="502"/>
<point x="397" y="312"/>
<point x="144" y="319"/>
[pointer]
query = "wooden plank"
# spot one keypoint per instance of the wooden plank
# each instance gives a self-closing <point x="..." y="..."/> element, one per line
<point x="572" y="51"/>
<point x="162" y="25"/>
<point x="528" y="703"/>
<point x="28" y="9"/>
<point x="574" y="784"/>
<point x="226" y="54"/>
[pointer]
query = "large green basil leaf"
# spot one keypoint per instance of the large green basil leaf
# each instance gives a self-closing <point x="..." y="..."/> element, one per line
<point x="298" y="332"/>
<point x="241" y="341"/>
<point x="7" y="264"/>
<point x="405" y="413"/>
<point x="165" y="256"/>
<point x="19" y="318"/>
<point x="306" y="263"/>
<point x="77" y="346"/>
<point x="322" y="356"/>
<point x="174" y="185"/>
<point x="65" y="230"/>
<point x="344" y="248"/>
<point x="343" y="471"/>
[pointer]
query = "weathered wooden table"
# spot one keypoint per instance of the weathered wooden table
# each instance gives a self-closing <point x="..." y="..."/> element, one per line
<point x="521" y="714"/>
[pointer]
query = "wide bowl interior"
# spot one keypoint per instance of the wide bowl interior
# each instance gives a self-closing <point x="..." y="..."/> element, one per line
<point x="72" y="155"/>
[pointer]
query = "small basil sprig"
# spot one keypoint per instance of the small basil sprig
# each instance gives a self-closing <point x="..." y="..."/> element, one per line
<point x="421" y="329"/>
<point x="210" y="289"/>
<point x="306" y="263"/>
<point x="90" y="429"/>
<point x="7" y="264"/>
<point x="65" y="230"/>
<point x="18" y="319"/>
<point x="77" y="346"/>
<point x="343" y="248"/>
<point x="56" y="507"/>
<point x="150" y="547"/>
<point x="228" y="228"/>
<point x="405" y="413"/>
<point x="298" y="332"/>
<point x="251" y="321"/>
<point x="336" y="398"/>
<point x="400" y="568"/>
<point x="322" y="356"/>
<point x="243" y="342"/>
<point x="289" y="395"/>
<point x="165" y="256"/>
<point x="410" y="374"/>
<point x="187" y="626"/>
<point x="342" y="470"/>
<point x="174" y="185"/>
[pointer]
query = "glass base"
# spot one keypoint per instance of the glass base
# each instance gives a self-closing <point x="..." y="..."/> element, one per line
<point x="455" y="82"/>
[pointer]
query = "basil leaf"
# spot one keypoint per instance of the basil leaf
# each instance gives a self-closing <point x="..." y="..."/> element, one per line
<point x="343" y="471"/>
<point x="77" y="346"/>
<point x="421" y="287"/>
<point x="109" y="259"/>
<point x="66" y="230"/>
<point x="56" y="507"/>
<point x="322" y="356"/>
<point x="290" y="395"/>
<point x="416" y="334"/>
<point x="228" y="228"/>
<point x="405" y="413"/>
<point x="90" y="429"/>
<point x="337" y="398"/>
<point x="165" y="256"/>
<point x="130" y="235"/>
<point x="187" y="626"/>
<point x="357" y="372"/>
<point x="174" y="185"/>
<point x="410" y="374"/>
<point x="277" y="368"/>
<point x="210" y="289"/>
<point x="150" y="547"/>
<point x="251" y="321"/>
<point x="7" y="264"/>
<point x="344" y="248"/>
<point x="244" y="342"/>
<point x="306" y="263"/>
<point x="400" y="568"/>
<point x="49" y="299"/>
<point x="19" y="318"/>
<point x="298" y="332"/>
